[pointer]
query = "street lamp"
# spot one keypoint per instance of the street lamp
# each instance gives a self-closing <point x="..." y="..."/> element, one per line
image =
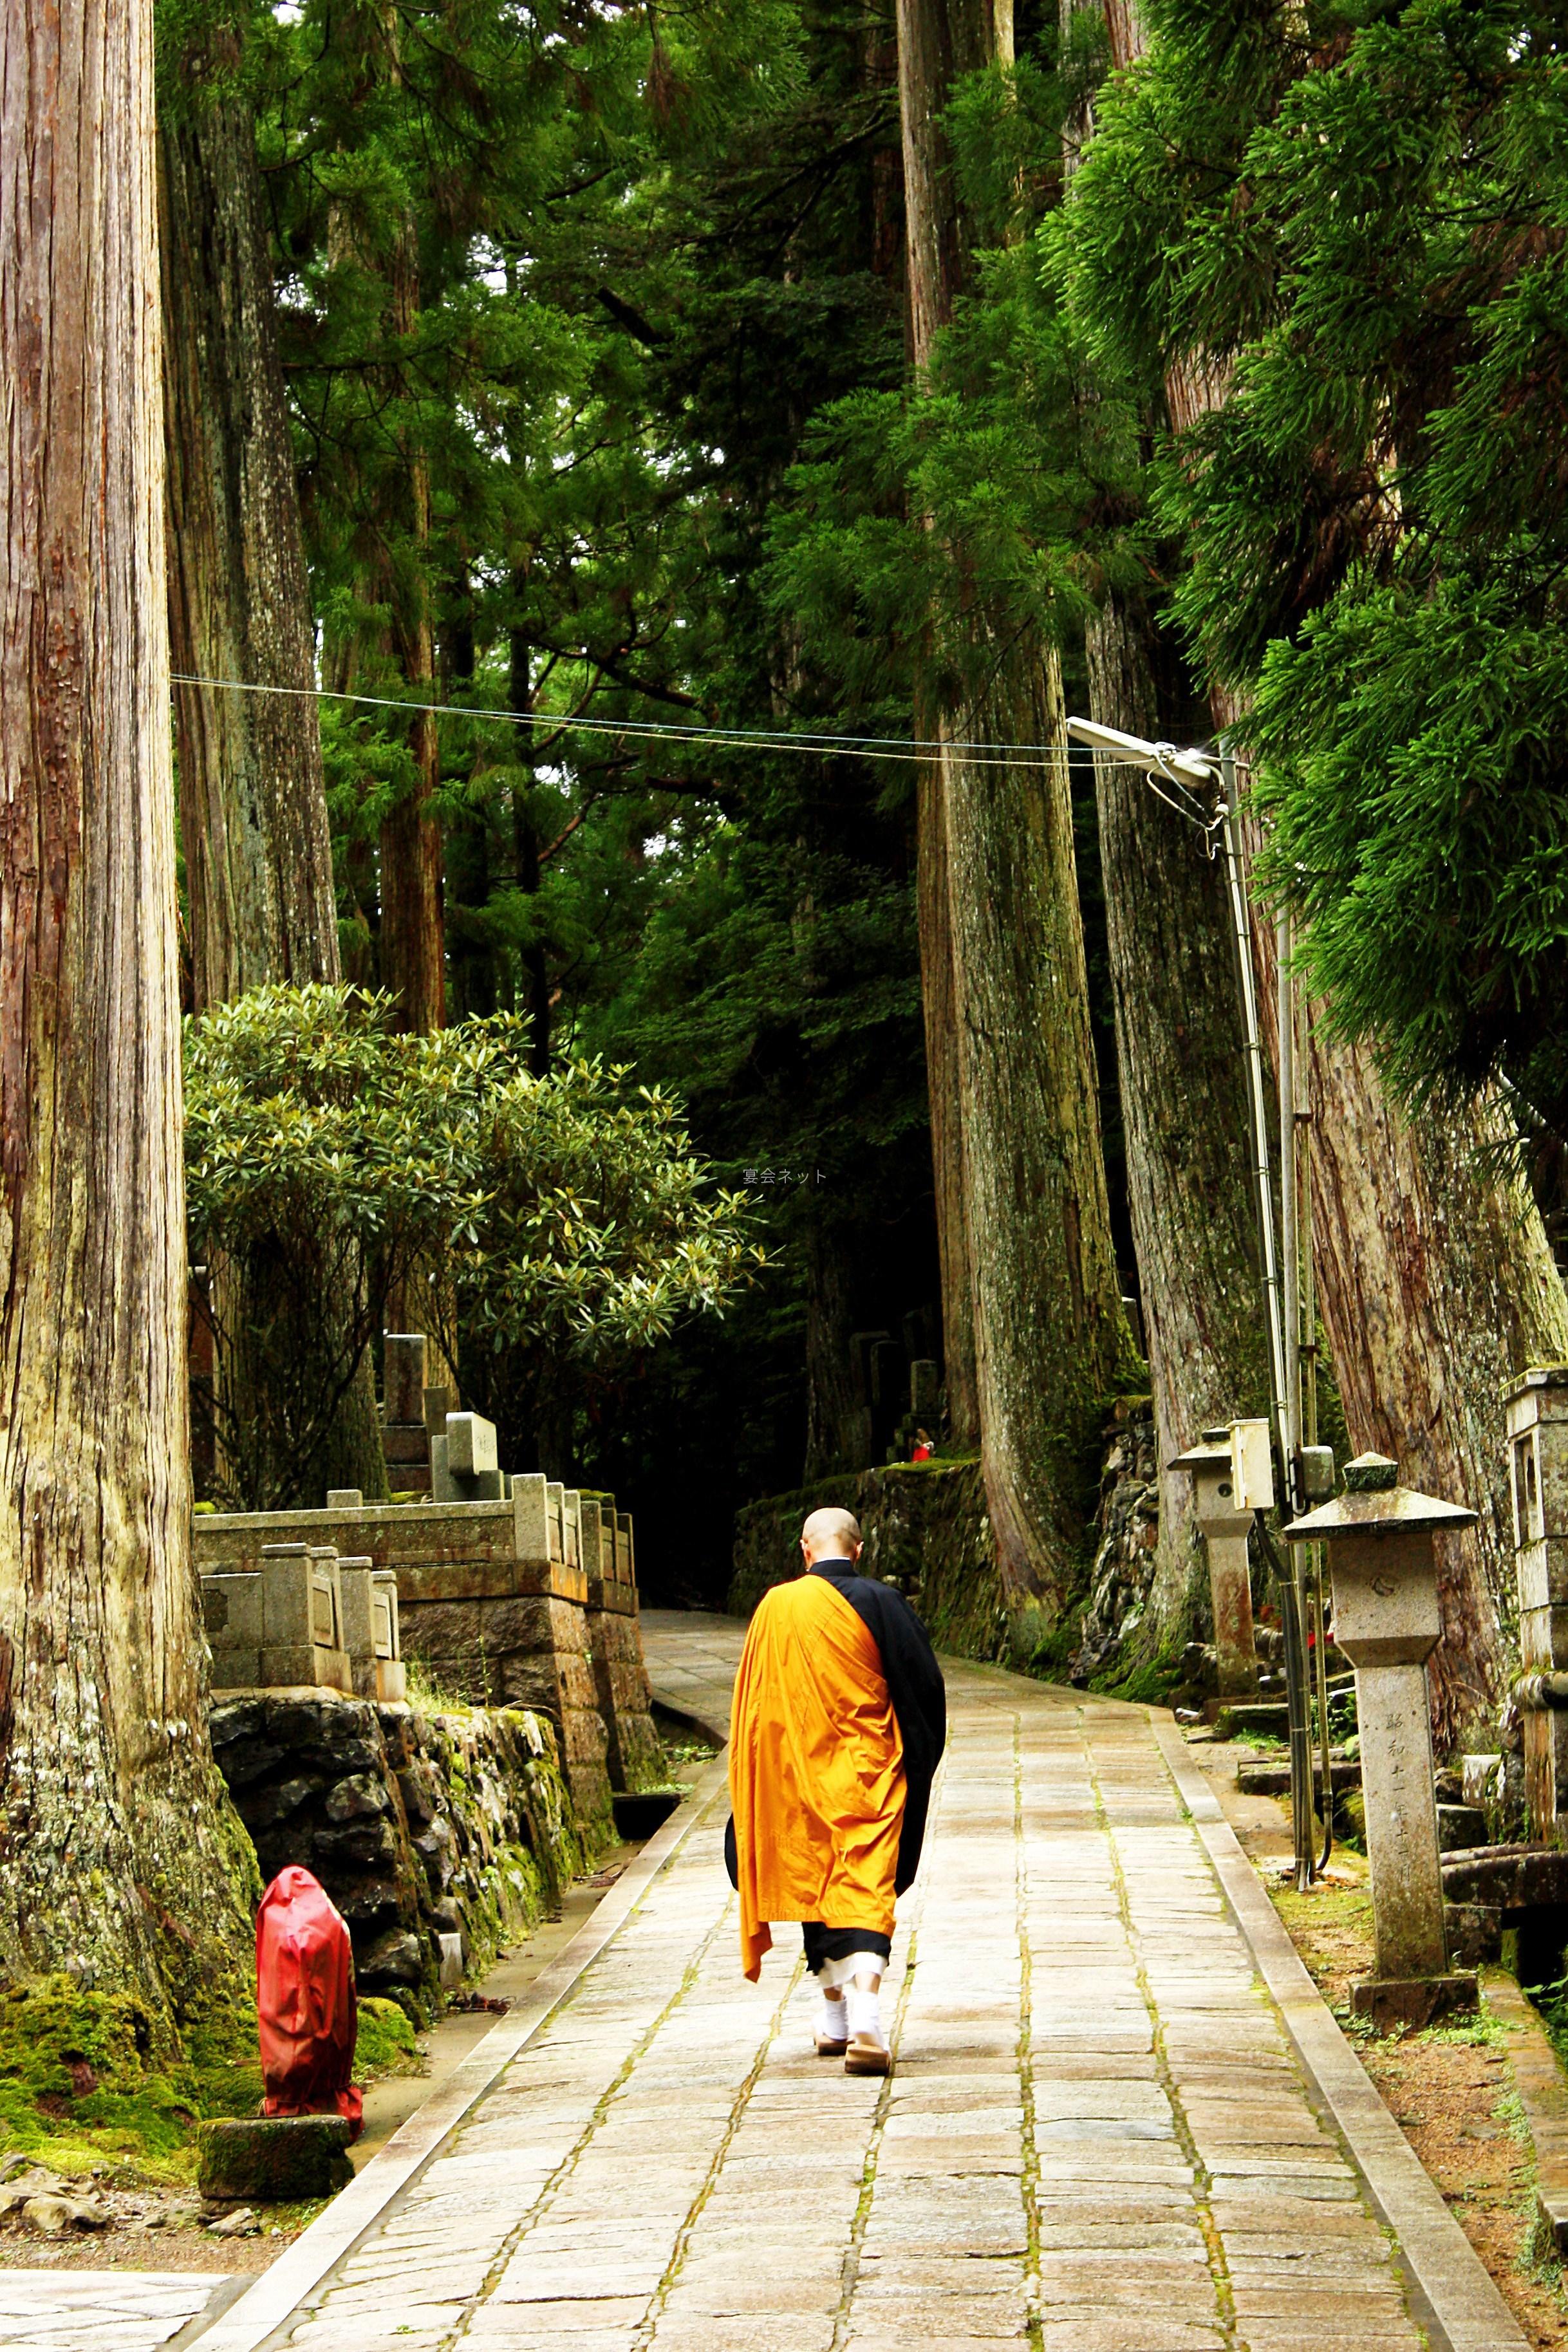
<point x="1200" y="786"/>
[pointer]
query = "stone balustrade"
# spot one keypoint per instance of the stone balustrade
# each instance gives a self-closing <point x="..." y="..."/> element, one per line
<point x="525" y="1600"/>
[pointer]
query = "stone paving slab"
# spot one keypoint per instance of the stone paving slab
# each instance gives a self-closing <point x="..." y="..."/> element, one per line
<point x="1099" y="2136"/>
<point x="119" y="2311"/>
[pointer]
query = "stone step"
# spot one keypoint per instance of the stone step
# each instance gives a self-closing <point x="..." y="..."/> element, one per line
<point x="1274" y="1779"/>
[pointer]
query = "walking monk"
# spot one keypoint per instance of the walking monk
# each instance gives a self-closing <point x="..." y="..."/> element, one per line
<point x="837" y="1729"/>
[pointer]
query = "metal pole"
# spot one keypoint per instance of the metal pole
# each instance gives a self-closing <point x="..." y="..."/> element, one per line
<point x="1284" y="1427"/>
<point x="1298" y="1712"/>
<point x="1262" y="1182"/>
<point x="1308" y="1425"/>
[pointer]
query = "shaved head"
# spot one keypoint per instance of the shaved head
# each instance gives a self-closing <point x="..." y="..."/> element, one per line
<point x="831" y="1534"/>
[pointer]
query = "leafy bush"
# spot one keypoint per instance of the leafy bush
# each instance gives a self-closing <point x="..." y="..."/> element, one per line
<point x="331" y="1159"/>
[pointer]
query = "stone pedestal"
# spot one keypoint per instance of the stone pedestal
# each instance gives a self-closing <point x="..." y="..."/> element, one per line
<point x="302" y="1619"/>
<point x="274" y="2159"/>
<point x="634" y="1754"/>
<point x="1386" y="1621"/>
<point x="1225" y="1529"/>
<point x="1538" y="1466"/>
<point x="403" y="1437"/>
<point x="371" y="1629"/>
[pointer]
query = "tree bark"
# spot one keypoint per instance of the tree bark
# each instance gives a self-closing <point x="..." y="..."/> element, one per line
<point x="253" y="798"/>
<point x="253" y="802"/>
<point x="934" y="275"/>
<point x="838" y="1425"/>
<point x="413" y="943"/>
<point x="1438" y="1289"/>
<point x="1184" y="1106"/>
<point x="1179" y="1058"/>
<point x="938" y="1008"/>
<point x="1050" y="1334"/>
<point x="120" y="1858"/>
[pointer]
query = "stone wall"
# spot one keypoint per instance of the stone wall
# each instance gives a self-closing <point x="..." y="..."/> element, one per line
<point x="440" y="1838"/>
<point x="927" y="1531"/>
<point x="529" y="1602"/>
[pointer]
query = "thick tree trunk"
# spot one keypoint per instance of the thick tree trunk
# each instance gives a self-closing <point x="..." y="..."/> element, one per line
<point x="1184" y="1106"/>
<point x="120" y="1859"/>
<point x="253" y="802"/>
<point x="1048" y="1332"/>
<point x="946" y="1124"/>
<point x="253" y="799"/>
<point x="1438" y="1289"/>
<point x="413" y="941"/>
<point x="1179" y="1062"/>
<point x="838" y="1425"/>
<point x="933" y="278"/>
<point x="1050" y="1335"/>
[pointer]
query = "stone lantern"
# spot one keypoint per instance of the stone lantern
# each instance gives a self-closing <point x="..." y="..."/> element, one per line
<point x="1225" y="1529"/>
<point x="1379" y="1537"/>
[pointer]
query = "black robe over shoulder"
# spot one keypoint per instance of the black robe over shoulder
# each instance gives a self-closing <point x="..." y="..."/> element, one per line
<point x="918" y="1694"/>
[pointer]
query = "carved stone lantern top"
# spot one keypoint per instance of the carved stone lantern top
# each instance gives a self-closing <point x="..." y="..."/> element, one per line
<point x="1375" y="1504"/>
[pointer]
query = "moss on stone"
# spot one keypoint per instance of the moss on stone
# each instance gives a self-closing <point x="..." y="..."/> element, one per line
<point x="80" y="2084"/>
<point x="384" y="2044"/>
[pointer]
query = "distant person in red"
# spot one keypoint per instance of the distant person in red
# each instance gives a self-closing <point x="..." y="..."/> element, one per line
<point x="306" y="2012"/>
<point x="923" y="1448"/>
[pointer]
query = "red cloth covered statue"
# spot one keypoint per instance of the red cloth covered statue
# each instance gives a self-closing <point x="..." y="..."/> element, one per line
<point x="305" y="2005"/>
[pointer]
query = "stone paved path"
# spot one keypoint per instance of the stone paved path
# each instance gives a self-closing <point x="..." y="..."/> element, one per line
<point x="1097" y="2138"/>
<point x="100" y="2311"/>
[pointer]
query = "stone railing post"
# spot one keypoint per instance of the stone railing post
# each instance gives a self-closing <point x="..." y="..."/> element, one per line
<point x="1538" y="1468"/>
<point x="1379" y="1537"/>
<point x="1225" y="1529"/>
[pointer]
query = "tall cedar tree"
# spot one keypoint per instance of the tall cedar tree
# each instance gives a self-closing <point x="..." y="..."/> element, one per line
<point x="1171" y="948"/>
<point x="1049" y="1336"/>
<point x="120" y="1859"/>
<point x="1271" y="216"/>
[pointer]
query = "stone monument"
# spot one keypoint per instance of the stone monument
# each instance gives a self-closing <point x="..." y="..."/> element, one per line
<point x="1225" y="1527"/>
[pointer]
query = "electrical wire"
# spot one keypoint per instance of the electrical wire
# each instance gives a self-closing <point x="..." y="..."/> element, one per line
<point x="822" y="744"/>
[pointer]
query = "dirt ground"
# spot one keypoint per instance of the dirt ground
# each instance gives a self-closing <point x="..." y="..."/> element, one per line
<point x="1450" y="2089"/>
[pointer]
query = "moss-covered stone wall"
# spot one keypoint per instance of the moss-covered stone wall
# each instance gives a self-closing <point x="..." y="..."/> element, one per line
<point x="927" y="1531"/>
<point x="455" y="1823"/>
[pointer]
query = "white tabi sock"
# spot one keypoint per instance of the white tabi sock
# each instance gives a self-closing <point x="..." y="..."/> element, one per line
<point x="834" y="2025"/>
<point x="864" y="2013"/>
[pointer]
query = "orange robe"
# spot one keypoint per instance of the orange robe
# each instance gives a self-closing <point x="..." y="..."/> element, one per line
<point x="817" y="1773"/>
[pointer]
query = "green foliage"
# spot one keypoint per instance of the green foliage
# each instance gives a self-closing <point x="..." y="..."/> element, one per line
<point x="564" y="1219"/>
<point x="81" y="2084"/>
<point x="1350" y="222"/>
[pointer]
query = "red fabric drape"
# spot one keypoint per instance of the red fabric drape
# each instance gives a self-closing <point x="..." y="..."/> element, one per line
<point x="306" y="2010"/>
